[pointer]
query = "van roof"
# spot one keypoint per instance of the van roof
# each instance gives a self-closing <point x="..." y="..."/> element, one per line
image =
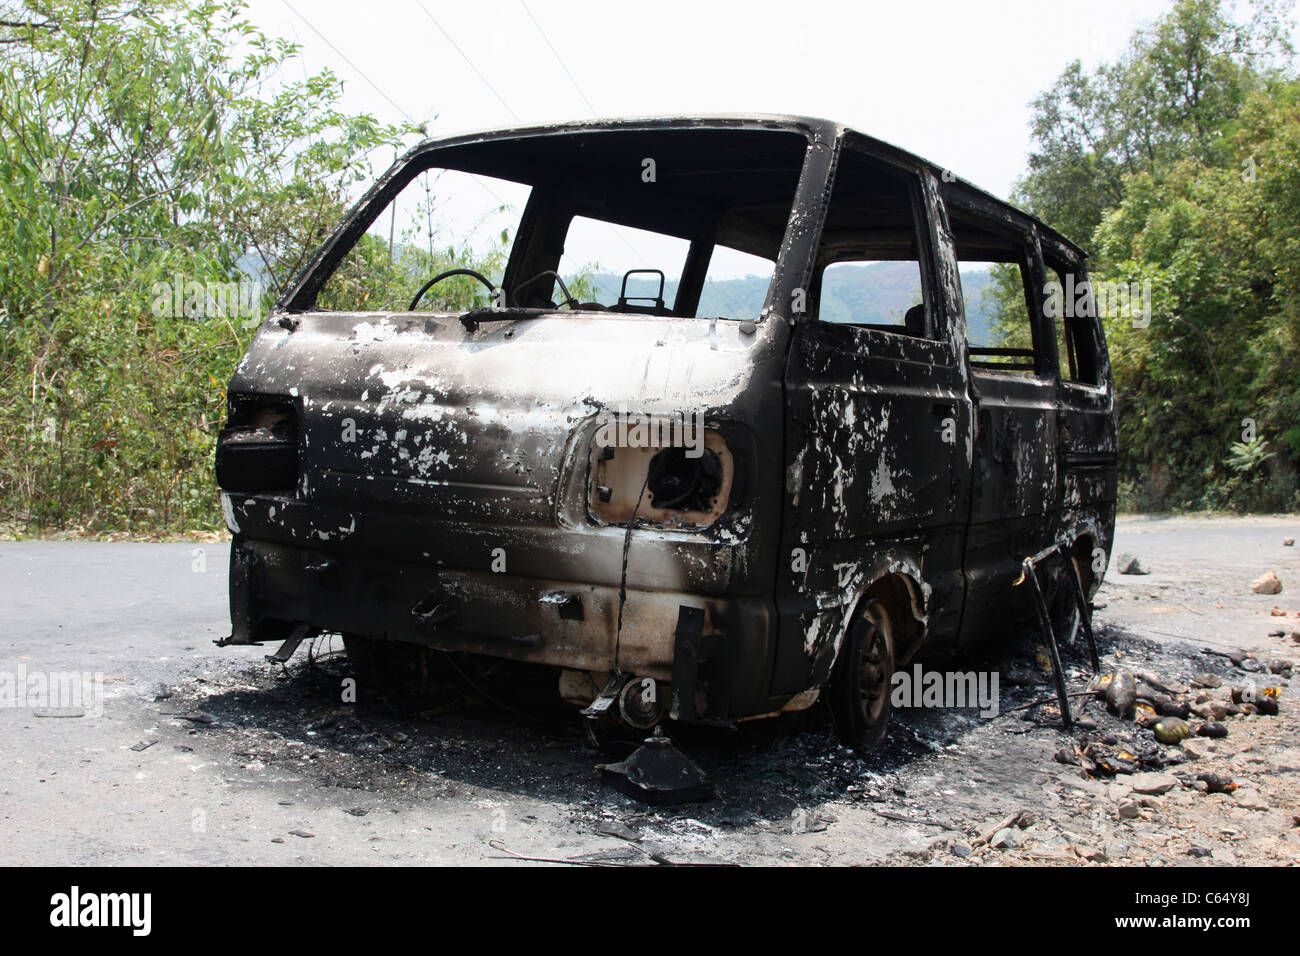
<point x="815" y="127"/>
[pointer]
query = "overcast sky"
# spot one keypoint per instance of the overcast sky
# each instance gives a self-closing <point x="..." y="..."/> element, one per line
<point x="951" y="81"/>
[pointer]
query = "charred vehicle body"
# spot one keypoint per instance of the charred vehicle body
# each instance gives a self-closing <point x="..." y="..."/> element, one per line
<point x="690" y="510"/>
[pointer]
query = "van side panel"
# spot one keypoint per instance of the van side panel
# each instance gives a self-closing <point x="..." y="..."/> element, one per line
<point x="877" y="473"/>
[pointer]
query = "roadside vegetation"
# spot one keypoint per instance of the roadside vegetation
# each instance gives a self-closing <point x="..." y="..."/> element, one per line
<point x="1178" y="164"/>
<point x="164" y="176"/>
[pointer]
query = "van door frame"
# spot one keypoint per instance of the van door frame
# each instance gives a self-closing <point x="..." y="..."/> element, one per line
<point x="1088" y="460"/>
<point x="1015" y="481"/>
<point x="814" y="606"/>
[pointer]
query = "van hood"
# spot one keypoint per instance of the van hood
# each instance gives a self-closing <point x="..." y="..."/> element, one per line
<point x="413" y="411"/>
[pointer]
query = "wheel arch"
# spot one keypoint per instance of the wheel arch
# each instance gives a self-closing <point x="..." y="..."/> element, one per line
<point x="898" y="584"/>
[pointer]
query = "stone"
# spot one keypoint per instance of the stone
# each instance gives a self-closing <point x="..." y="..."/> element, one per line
<point x="617" y="828"/>
<point x="1171" y="730"/>
<point x="1216" y="783"/>
<point x="1250" y="800"/>
<point x="1129" y="564"/>
<point x="1266" y="583"/>
<point x="1152" y="784"/>
<point x="1129" y="810"/>
<point x="1121" y="694"/>
<point x="960" y="848"/>
<point x="1087" y="784"/>
<point x="1005" y="839"/>
<point x="1067" y="755"/>
<point x="1167" y="707"/>
<point x="1212" y="729"/>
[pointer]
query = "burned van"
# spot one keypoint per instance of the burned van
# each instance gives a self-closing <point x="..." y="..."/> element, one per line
<point x="813" y="430"/>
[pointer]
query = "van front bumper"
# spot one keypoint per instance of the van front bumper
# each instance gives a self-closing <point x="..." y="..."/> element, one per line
<point x="716" y="648"/>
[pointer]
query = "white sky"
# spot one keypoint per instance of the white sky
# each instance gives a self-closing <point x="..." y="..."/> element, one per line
<point x="949" y="80"/>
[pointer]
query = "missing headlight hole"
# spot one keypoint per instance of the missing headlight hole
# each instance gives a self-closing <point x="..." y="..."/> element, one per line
<point x="686" y="488"/>
<point x="679" y="482"/>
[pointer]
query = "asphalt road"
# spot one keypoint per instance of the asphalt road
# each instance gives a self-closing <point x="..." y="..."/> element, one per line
<point x="203" y="755"/>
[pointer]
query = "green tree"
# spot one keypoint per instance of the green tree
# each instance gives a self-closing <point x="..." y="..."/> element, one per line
<point x="145" y="145"/>
<point x="1176" y="164"/>
<point x="1220" y="361"/>
<point x="1166" y="98"/>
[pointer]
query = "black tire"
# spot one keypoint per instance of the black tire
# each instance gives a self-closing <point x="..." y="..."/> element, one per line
<point x="407" y="678"/>
<point x="859" y="688"/>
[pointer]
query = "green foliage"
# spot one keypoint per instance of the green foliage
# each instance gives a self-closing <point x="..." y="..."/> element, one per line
<point x="1178" y="161"/>
<point x="1247" y="456"/>
<point x="139" y="153"/>
<point x="1004" y="301"/>
<point x="1218" y="245"/>
<point x="1167" y="97"/>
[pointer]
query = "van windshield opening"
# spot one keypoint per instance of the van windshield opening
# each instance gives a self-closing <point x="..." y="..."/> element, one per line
<point x="666" y="222"/>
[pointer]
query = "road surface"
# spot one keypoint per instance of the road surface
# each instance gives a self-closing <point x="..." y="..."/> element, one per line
<point x="200" y="755"/>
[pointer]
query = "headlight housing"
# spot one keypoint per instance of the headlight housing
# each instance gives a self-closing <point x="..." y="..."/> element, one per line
<point x="675" y="486"/>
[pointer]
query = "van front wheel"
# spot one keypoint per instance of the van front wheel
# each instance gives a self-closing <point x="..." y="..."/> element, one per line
<point x="860" y="681"/>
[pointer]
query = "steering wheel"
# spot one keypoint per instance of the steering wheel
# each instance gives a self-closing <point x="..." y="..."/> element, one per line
<point x="569" y="300"/>
<point x="447" y="275"/>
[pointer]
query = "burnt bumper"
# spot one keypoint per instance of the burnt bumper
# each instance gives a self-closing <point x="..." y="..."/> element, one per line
<point x="715" y="652"/>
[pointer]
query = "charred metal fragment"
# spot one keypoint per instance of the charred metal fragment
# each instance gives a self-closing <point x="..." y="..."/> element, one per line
<point x="1049" y="637"/>
<point x="1029" y="574"/>
<point x="658" y="773"/>
<point x="291" y="644"/>
<point x="686" y="662"/>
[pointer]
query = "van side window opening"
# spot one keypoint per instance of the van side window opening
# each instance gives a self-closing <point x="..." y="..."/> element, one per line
<point x="1076" y="343"/>
<point x="870" y="262"/>
<point x="1000" y="304"/>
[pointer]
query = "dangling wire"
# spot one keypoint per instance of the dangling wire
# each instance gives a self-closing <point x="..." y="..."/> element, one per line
<point x="622" y="584"/>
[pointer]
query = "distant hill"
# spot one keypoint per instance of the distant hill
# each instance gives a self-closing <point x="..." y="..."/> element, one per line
<point x="877" y="293"/>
